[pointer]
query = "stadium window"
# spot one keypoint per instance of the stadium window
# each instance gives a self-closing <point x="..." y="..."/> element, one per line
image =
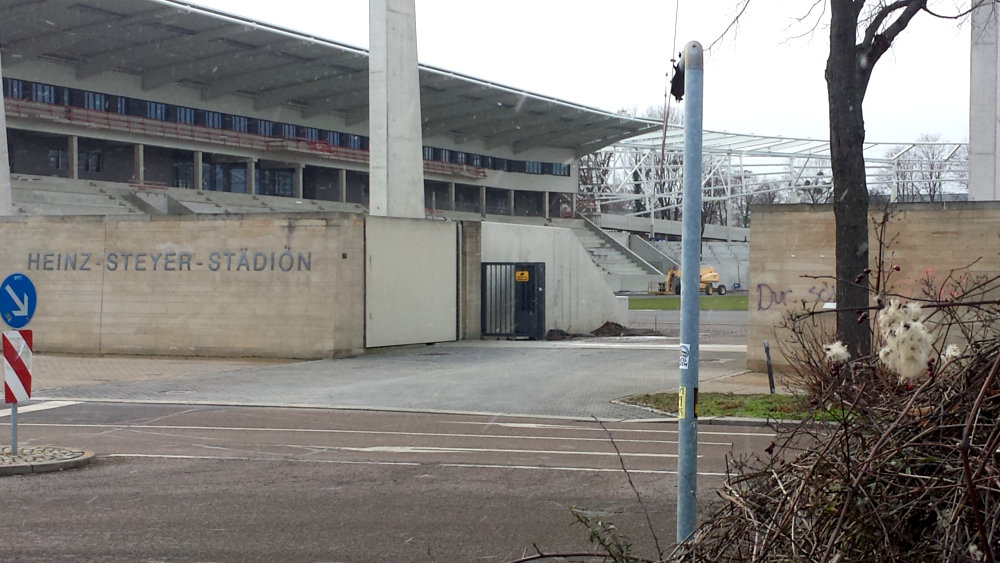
<point x="265" y="128"/>
<point x="121" y="105"/>
<point x="477" y="160"/>
<point x="288" y="131"/>
<point x="237" y="123"/>
<point x="94" y="101"/>
<point x="501" y="164"/>
<point x="212" y="119"/>
<point x="43" y="93"/>
<point x="461" y="157"/>
<point x="333" y="138"/>
<point x="184" y="115"/>
<point x="89" y="162"/>
<point x="519" y="166"/>
<point x="444" y="155"/>
<point x="58" y="159"/>
<point x="428" y="153"/>
<point x="310" y="133"/>
<point x="13" y="88"/>
<point x="354" y="141"/>
<point x="155" y="110"/>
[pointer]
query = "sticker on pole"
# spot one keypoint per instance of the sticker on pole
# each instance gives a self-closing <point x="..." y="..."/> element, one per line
<point x="17" y="300"/>
<point x="17" y="346"/>
<point x="685" y="355"/>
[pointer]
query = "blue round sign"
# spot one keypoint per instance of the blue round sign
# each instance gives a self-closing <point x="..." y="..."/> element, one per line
<point x="17" y="300"/>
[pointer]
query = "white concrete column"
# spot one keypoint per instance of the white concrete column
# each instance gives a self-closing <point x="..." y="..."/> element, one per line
<point x="397" y="173"/>
<point x="199" y="160"/>
<point x="251" y="176"/>
<point x="546" y="204"/>
<point x="482" y="200"/>
<point x="574" y="205"/>
<point x="299" y="174"/>
<point x="74" y="157"/>
<point x="451" y="194"/>
<point x="342" y="185"/>
<point x="984" y="105"/>
<point x="510" y="202"/>
<point x="6" y="197"/>
<point x="140" y="164"/>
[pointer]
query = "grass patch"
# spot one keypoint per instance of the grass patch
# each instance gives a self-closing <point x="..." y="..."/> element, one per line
<point x="707" y="303"/>
<point x="728" y="404"/>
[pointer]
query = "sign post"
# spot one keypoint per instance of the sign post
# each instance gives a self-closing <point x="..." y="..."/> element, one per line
<point x="687" y="423"/>
<point x="17" y="345"/>
<point x="17" y="306"/>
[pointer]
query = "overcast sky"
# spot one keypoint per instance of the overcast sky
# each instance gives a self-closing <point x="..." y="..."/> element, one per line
<point x="615" y="54"/>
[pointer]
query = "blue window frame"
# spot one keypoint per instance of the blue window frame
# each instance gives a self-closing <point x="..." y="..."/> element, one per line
<point x="43" y="93"/>
<point x="212" y="119"/>
<point x="265" y="128"/>
<point x="95" y="101"/>
<point x="156" y="110"/>
<point x="238" y="124"/>
<point x="13" y="88"/>
<point x="185" y="115"/>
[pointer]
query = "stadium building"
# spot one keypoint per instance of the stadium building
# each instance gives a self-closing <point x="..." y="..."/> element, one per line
<point x="186" y="181"/>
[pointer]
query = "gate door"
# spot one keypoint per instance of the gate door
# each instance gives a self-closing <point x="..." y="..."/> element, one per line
<point x="514" y="300"/>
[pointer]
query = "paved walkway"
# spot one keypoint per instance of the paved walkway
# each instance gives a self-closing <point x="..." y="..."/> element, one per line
<point x="568" y="379"/>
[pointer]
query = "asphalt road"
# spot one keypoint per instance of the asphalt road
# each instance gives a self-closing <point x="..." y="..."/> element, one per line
<point x="202" y="483"/>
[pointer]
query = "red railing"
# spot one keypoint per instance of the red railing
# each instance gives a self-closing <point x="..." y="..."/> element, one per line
<point x="142" y="126"/>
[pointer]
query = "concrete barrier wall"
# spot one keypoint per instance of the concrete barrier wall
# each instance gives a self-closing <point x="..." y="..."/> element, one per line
<point x="268" y="286"/>
<point x="789" y="241"/>
<point x="412" y="281"/>
<point x="577" y="298"/>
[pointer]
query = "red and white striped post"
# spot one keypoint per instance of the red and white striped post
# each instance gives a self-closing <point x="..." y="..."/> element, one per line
<point x="17" y="345"/>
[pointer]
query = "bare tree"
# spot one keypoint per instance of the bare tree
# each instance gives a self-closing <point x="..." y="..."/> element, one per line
<point x="926" y="170"/>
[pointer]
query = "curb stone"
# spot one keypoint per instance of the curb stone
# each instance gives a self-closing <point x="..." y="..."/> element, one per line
<point x="42" y="460"/>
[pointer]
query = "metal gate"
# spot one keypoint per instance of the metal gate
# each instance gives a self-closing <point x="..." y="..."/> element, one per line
<point x="513" y="300"/>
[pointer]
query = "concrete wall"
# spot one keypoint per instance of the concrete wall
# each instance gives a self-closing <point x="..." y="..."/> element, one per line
<point x="789" y="241"/>
<point x="268" y="286"/>
<point x="411" y="281"/>
<point x="577" y="298"/>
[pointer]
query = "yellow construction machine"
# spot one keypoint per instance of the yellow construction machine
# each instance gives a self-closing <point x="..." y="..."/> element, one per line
<point x="709" y="282"/>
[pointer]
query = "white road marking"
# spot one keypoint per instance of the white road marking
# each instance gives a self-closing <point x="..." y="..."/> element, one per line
<point x="371" y="432"/>
<point x="48" y="405"/>
<point x="455" y="465"/>
<point x="595" y="470"/>
<point x="437" y="450"/>
<point x="236" y="458"/>
<point x="597" y="429"/>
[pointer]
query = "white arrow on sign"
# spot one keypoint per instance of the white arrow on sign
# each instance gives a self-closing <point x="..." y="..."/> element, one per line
<point x="22" y="306"/>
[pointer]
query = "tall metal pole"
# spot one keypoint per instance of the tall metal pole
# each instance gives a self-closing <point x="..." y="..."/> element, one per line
<point x="687" y="443"/>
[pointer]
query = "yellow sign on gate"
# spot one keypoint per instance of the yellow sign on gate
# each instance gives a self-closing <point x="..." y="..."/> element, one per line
<point x="521" y="275"/>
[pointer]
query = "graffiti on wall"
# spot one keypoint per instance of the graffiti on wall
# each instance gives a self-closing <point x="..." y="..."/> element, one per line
<point x="769" y="297"/>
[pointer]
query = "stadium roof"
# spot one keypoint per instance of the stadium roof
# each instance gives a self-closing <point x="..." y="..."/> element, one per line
<point x="167" y="41"/>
